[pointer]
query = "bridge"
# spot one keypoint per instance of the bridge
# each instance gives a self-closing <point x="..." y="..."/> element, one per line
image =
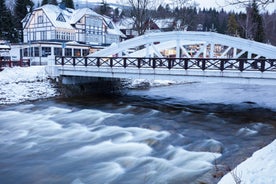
<point x="181" y="56"/>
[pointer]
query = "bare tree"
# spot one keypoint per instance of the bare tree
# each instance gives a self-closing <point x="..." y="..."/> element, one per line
<point x="253" y="18"/>
<point x="245" y="3"/>
<point x="141" y="13"/>
<point x="270" y="27"/>
<point x="184" y="3"/>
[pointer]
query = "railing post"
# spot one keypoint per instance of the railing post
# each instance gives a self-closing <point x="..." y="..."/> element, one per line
<point x="62" y="60"/>
<point x="98" y="62"/>
<point x="222" y="63"/>
<point x="203" y="66"/>
<point x="262" y="69"/>
<point x="111" y="62"/>
<point x="169" y="64"/>
<point x="125" y="63"/>
<point x="10" y="63"/>
<point x="241" y="65"/>
<point x="153" y="63"/>
<point x="186" y="64"/>
<point x="74" y="61"/>
<point x="139" y="62"/>
<point x="85" y="61"/>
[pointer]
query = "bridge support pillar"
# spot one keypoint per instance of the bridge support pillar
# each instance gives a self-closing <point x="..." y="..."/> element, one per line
<point x="77" y="86"/>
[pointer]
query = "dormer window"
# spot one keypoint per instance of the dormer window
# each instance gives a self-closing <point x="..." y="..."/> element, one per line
<point x="61" y="18"/>
<point x="110" y="25"/>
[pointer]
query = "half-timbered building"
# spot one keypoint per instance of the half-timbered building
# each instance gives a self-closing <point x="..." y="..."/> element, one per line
<point x="52" y="30"/>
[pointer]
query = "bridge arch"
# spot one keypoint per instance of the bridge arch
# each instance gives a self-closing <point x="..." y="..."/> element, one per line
<point x="189" y="44"/>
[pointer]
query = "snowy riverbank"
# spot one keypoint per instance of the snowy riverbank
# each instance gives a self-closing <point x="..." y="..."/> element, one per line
<point x="23" y="84"/>
<point x="31" y="83"/>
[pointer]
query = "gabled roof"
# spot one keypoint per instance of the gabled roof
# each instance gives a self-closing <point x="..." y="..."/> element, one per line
<point x="25" y="20"/>
<point x="79" y="13"/>
<point x="164" y="23"/>
<point x="112" y="27"/>
<point x="125" y="23"/>
<point x="53" y="12"/>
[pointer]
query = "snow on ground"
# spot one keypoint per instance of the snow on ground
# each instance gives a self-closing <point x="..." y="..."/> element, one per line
<point x="31" y="83"/>
<point x="258" y="169"/>
<point x="22" y="84"/>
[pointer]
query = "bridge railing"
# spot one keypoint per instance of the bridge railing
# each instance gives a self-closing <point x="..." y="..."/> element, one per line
<point x="220" y="64"/>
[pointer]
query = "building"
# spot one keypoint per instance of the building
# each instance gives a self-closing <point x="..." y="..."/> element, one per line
<point x="57" y="23"/>
<point x="56" y="30"/>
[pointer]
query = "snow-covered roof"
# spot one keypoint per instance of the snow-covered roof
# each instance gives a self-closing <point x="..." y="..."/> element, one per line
<point x="79" y="13"/>
<point x="164" y="23"/>
<point x="53" y="12"/>
<point x="4" y="47"/>
<point x="65" y="18"/>
<point x="112" y="28"/>
<point x="125" y="23"/>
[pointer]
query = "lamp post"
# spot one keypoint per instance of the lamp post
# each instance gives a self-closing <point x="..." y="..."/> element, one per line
<point x="28" y="7"/>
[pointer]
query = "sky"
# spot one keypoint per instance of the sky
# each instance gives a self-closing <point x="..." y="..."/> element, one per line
<point x="204" y="4"/>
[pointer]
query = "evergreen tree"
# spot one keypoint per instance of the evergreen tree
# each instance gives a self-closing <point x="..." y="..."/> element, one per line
<point x="258" y="29"/>
<point x="20" y="11"/>
<point x="68" y="3"/>
<point x="232" y="26"/>
<point x="7" y="31"/>
<point x="3" y="17"/>
<point x="104" y="8"/>
<point x="168" y="8"/>
<point x="54" y="2"/>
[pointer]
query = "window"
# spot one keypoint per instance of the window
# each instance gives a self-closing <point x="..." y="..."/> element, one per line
<point x="62" y="36"/>
<point x="68" y="52"/>
<point x="58" y="35"/>
<point x="57" y="51"/>
<point x="46" y="51"/>
<point x="36" y="51"/>
<point x="67" y="36"/>
<point x="25" y="52"/>
<point x="31" y="51"/>
<point x="85" y="52"/>
<point x="40" y="19"/>
<point x="43" y="35"/>
<point x="61" y="18"/>
<point x="28" y="52"/>
<point x="110" y="25"/>
<point x="77" y="52"/>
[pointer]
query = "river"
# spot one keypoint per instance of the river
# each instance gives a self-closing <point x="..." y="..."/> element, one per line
<point x="141" y="137"/>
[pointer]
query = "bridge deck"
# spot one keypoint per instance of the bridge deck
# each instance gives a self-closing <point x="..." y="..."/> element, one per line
<point x="185" y="69"/>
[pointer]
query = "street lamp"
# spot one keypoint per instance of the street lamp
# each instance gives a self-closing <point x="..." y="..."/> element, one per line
<point x="28" y="7"/>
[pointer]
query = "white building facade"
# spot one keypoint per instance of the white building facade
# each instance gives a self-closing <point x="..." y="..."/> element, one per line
<point x="50" y="31"/>
<point x="53" y="23"/>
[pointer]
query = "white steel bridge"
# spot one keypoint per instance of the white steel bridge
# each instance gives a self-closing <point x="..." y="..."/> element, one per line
<point x="189" y="44"/>
<point x="182" y="56"/>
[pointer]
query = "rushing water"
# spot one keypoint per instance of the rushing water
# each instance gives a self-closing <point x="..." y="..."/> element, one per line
<point x="136" y="138"/>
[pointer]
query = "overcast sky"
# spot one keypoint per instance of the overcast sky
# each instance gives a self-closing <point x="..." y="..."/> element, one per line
<point x="202" y="3"/>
